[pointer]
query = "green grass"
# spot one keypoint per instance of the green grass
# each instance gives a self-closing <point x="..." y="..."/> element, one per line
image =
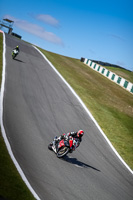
<point x="11" y="185"/>
<point x="1" y="53"/>
<point x="111" y="105"/>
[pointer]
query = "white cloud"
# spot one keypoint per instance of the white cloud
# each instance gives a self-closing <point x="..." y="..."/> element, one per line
<point x="36" y="30"/>
<point x="48" y="19"/>
<point x="116" y="37"/>
<point x="91" y="51"/>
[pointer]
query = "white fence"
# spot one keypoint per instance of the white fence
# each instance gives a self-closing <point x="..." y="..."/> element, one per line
<point x="110" y="75"/>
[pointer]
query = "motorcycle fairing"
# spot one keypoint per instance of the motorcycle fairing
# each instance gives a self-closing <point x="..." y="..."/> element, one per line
<point x="61" y="144"/>
<point x="70" y="143"/>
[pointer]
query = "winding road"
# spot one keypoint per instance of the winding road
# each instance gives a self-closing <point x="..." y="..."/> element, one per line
<point x="37" y="106"/>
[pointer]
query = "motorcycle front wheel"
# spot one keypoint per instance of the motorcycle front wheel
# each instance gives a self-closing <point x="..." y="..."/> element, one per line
<point x="13" y="56"/>
<point x="50" y="146"/>
<point x="62" y="152"/>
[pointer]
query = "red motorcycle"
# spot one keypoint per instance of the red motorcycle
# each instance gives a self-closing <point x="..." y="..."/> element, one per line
<point x="62" y="147"/>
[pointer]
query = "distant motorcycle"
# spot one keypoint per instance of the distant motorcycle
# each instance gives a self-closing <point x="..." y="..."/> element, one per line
<point x="14" y="53"/>
<point x="62" y="147"/>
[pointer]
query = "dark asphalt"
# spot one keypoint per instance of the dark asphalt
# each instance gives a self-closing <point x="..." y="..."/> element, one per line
<point x="38" y="106"/>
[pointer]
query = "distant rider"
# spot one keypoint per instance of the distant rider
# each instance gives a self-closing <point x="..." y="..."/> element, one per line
<point x="17" y="49"/>
<point x="76" y="136"/>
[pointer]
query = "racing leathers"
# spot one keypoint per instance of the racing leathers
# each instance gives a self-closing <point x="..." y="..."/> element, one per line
<point x="17" y="49"/>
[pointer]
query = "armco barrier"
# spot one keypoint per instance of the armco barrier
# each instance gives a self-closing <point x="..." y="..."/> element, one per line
<point x="110" y="75"/>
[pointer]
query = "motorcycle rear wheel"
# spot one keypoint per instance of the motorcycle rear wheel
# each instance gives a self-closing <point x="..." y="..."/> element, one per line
<point x="62" y="152"/>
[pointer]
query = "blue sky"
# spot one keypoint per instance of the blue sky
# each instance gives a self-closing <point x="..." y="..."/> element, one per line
<point x="99" y="30"/>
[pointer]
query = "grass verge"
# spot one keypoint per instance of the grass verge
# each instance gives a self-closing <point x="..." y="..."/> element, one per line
<point x="111" y="105"/>
<point x="11" y="184"/>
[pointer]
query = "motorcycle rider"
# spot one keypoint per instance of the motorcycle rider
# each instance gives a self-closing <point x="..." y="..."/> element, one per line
<point x="17" y="49"/>
<point x="76" y="136"/>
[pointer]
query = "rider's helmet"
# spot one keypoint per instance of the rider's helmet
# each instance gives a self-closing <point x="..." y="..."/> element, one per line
<point x="80" y="133"/>
<point x="17" y="47"/>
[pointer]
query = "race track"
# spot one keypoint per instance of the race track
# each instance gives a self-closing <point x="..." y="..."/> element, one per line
<point x="37" y="106"/>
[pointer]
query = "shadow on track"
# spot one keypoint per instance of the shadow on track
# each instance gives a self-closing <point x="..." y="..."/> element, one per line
<point x="78" y="163"/>
<point x="18" y="60"/>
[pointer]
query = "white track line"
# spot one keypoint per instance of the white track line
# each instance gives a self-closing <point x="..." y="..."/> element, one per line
<point x="3" y="129"/>
<point x="86" y="109"/>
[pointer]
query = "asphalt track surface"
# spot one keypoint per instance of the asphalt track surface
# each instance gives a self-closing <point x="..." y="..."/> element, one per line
<point x="37" y="106"/>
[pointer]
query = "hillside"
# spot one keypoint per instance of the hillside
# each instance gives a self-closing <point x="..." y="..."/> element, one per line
<point x="110" y="104"/>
